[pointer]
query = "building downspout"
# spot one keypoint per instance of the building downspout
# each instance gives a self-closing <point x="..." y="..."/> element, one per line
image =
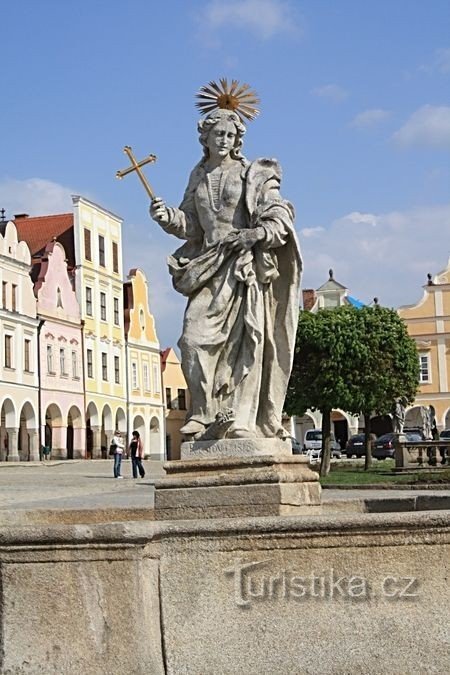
<point x="83" y="374"/>
<point x="127" y="393"/>
<point x="41" y="441"/>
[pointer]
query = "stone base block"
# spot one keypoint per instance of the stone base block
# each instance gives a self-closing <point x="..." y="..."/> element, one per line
<point x="261" y="485"/>
<point x="235" y="447"/>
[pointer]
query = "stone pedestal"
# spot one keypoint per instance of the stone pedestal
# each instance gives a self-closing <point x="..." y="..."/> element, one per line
<point x="235" y="486"/>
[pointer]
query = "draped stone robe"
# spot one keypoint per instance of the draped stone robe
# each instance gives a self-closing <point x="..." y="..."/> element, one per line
<point x="240" y="322"/>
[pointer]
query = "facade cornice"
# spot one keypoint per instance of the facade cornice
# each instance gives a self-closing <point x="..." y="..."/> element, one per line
<point x="78" y="199"/>
<point x="14" y="263"/>
<point x="16" y="318"/>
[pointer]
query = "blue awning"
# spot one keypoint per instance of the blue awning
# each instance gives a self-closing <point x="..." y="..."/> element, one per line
<point x="356" y="303"/>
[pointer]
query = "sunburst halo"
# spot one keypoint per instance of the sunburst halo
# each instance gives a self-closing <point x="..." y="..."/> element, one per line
<point x="237" y="97"/>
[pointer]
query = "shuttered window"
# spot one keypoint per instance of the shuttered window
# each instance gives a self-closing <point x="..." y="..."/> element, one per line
<point x="115" y="257"/>
<point x="87" y="244"/>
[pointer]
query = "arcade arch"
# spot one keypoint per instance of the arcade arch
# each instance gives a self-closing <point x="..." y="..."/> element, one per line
<point x="155" y="438"/>
<point x="302" y="425"/>
<point x="447" y="419"/>
<point x="139" y="425"/>
<point x="75" y="447"/>
<point x="121" y="421"/>
<point x="92" y="432"/>
<point x="53" y="433"/>
<point x="7" y="426"/>
<point x="27" y="440"/>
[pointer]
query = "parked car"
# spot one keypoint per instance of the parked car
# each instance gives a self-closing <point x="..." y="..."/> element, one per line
<point x="296" y="446"/>
<point x="316" y="454"/>
<point x="384" y="446"/>
<point x="355" y="446"/>
<point x="313" y="441"/>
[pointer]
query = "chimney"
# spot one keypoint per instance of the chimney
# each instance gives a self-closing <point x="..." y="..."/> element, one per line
<point x="309" y="298"/>
<point x="18" y="216"/>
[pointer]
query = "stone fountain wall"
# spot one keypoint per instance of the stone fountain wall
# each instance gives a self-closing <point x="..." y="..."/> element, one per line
<point x="363" y="593"/>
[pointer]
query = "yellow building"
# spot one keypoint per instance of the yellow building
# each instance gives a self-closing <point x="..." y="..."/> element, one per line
<point x="99" y="289"/>
<point x="428" y="323"/>
<point x="145" y="396"/>
<point x="177" y="401"/>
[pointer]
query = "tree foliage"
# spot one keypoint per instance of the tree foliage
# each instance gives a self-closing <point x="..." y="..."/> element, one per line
<point x="356" y="360"/>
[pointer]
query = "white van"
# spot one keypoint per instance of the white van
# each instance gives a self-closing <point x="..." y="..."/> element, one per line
<point x="313" y="441"/>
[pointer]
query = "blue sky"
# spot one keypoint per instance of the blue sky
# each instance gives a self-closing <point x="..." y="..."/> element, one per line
<point x="355" y="103"/>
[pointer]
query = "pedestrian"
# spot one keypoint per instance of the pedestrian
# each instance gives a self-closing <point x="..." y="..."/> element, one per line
<point x="137" y="454"/>
<point x="117" y="445"/>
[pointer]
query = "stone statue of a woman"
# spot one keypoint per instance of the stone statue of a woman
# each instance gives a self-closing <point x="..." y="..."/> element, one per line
<point x="240" y="270"/>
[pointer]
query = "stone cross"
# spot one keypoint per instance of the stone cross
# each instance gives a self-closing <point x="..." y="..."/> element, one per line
<point x="137" y="166"/>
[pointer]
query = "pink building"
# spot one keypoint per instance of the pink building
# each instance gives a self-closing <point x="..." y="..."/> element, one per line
<point x="60" y="348"/>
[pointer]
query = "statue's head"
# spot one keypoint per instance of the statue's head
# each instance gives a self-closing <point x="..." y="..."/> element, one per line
<point x="205" y="125"/>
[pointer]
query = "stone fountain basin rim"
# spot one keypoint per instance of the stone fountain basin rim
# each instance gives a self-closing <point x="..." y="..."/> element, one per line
<point x="138" y="533"/>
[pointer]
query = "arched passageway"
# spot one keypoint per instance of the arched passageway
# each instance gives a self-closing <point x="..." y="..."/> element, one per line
<point x="155" y="438"/>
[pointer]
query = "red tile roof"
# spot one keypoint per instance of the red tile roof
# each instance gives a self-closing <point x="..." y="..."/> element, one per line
<point x="40" y="230"/>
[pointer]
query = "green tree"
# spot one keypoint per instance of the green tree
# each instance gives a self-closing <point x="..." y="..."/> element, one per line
<point x="320" y="375"/>
<point x="387" y="367"/>
<point x="358" y="360"/>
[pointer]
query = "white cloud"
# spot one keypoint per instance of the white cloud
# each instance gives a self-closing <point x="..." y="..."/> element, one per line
<point x="427" y="126"/>
<point x="358" y="218"/>
<point x="369" y="118"/>
<point x="439" y="64"/>
<point x="442" y="60"/>
<point x="332" y="92"/>
<point x="264" y="18"/>
<point x="35" y="196"/>
<point x="311" y="231"/>
<point x="387" y="255"/>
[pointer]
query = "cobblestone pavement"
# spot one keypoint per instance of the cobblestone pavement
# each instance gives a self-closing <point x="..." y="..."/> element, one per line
<point x="79" y="484"/>
<point x="75" y="484"/>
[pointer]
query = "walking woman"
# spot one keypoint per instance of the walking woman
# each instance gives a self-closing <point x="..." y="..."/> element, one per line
<point x="137" y="454"/>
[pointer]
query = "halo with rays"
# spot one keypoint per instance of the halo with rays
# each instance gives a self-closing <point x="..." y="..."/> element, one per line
<point x="237" y="97"/>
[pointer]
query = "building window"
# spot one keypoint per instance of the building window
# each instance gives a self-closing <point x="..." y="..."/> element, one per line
<point x="4" y="287"/>
<point x="424" y="362"/>
<point x="181" y="399"/>
<point x="156" y="380"/>
<point x="115" y="257"/>
<point x="59" y="298"/>
<point x="62" y="361"/>
<point x="104" y="366"/>
<point x="103" y="306"/>
<point x="74" y="365"/>
<point x="101" y="250"/>
<point x="168" y="398"/>
<point x="90" y="364"/>
<point x="88" y="301"/>
<point x="116" y="370"/>
<point x="50" y="359"/>
<point x="26" y="356"/>
<point x="87" y="244"/>
<point x="8" y="351"/>
<point x="14" y="297"/>
<point x="146" y="377"/>
<point x="134" y="377"/>
<point x="116" y="312"/>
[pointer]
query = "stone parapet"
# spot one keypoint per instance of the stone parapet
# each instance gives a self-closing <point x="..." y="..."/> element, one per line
<point x="323" y="595"/>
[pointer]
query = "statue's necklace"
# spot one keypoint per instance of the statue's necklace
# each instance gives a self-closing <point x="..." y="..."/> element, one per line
<point x="214" y="183"/>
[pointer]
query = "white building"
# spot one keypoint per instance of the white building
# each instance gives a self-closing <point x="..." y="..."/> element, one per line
<point x="19" y="435"/>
